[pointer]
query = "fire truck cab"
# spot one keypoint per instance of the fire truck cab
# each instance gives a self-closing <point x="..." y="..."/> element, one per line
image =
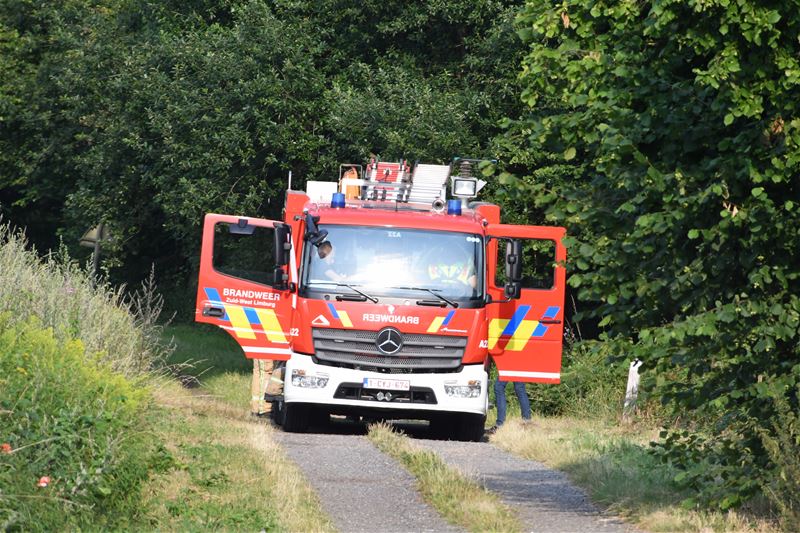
<point x="387" y="300"/>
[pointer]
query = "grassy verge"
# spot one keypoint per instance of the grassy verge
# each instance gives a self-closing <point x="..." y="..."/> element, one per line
<point x="75" y="421"/>
<point x="73" y="432"/>
<point x="613" y="465"/>
<point x="225" y="469"/>
<point x="459" y="500"/>
<point x="225" y="472"/>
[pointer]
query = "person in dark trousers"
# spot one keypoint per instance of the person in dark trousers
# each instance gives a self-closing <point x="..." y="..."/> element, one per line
<point x="500" y="400"/>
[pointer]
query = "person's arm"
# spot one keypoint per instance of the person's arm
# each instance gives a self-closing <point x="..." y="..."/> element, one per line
<point x="472" y="279"/>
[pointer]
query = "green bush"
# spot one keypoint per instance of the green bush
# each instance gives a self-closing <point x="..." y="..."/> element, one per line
<point x="72" y="419"/>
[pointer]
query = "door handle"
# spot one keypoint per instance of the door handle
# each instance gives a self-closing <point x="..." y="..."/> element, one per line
<point x="549" y="322"/>
<point x="214" y="311"/>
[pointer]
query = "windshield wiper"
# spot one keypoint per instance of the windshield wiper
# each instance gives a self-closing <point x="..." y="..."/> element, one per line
<point x="351" y="287"/>
<point x="435" y="292"/>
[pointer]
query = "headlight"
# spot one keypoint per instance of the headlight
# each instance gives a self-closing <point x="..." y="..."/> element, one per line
<point x="308" y="381"/>
<point x="471" y="390"/>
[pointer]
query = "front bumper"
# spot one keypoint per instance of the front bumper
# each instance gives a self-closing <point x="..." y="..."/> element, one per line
<point x="344" y="391"/>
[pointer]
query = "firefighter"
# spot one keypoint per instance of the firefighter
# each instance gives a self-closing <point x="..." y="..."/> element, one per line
<point x="262" y="372"/>
<point x="458" y="271"/>
<point x="330" y="268"/>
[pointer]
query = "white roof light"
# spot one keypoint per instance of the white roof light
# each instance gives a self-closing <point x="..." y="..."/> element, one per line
<point x="465" y="187"/>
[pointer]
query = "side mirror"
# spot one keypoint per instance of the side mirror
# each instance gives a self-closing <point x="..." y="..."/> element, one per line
<point x="283" y="244"/>
<point x="313" y="234"/>
<point x="514" y="261"/>
<point x="279" y="279"/>
<point x="512" y="290"/>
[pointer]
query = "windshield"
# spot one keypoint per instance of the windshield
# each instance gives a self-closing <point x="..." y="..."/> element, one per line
<point x="395" y="262"/>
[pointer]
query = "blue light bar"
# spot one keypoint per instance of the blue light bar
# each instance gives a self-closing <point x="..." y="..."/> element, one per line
<point x="454" y="207"/>
<point x="337" y="200"/>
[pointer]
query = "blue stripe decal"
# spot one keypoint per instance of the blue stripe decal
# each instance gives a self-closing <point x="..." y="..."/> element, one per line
<point x="551" y="312"/>
<point x="213" y="295"/>
<point x="540" y="330"/>
<point x="333" y="311"/>
<point x="448" y="317"/>
<point x="251" y="315"/>
<point x="516" y="320"/>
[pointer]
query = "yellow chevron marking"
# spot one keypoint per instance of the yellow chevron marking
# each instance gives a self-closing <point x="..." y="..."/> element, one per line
<point x="269" y="321"/>
<point x="436" y="324"/>
<point x="241" y="325"/>
<point x="496" y="327"/>
<point x="344" y="318"/>
<point x="522" y="335"/>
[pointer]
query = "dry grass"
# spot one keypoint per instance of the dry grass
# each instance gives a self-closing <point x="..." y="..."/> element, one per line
<point x="612" y="464"/>
<point x="458" y="499"/>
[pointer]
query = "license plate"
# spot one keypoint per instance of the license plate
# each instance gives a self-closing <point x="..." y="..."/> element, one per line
<point x="386" y="384"/>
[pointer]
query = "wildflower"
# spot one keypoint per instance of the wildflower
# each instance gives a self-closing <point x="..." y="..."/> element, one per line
<point x="43" y="481"/>
<point x="5" y="448"/>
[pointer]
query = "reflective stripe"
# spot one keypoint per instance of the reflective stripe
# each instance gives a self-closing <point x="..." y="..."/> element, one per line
<point x="229" y="328"/>
<point x="496" y="327"/>
<point x="436" y="324"/>
<point x="518" y="316"/>
<point x="345" y="318"/>
<point x="516" y="374"/>
<point x="240" y="323"/>
<point x="449" y="317"/>
<point x="259" y="349"/>
<point x="271" y="325"/>
<point x="521" y="336"/>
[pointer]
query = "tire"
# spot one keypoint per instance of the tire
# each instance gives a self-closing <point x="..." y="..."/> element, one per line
<point x="277" y="412"/>
<point x="443" y="427"/>
<point x="318" y="417"/>
<point x="295" y="418"/>
<point x="470" y="427"/>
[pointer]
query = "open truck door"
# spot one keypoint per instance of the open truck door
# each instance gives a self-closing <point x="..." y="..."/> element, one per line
<point x="526" y="320"/>
<point x="246" y="266"/>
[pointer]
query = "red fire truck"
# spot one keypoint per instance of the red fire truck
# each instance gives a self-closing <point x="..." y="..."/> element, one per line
<point x="386" y="300"/>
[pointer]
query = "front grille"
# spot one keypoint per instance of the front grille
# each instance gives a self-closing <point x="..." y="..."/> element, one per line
<point x="356" y="349"/>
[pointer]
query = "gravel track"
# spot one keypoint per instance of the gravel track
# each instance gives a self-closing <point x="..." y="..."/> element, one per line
<point x="364" y="490"/>
<point x="361" y="489"/>
<point x="543" y="498"/>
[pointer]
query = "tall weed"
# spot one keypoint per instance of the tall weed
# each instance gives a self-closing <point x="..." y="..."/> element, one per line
<point x="55" y="289"/>
<point x="75" y="358"/>
<point x="782" y="442"/>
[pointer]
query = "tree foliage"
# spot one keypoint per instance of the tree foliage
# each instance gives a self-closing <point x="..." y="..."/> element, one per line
<point x="680" y="121"/>
<point x="148" y="115"/>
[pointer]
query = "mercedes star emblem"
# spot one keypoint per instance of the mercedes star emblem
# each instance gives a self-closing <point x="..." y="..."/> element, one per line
<point x="389" y="341"/>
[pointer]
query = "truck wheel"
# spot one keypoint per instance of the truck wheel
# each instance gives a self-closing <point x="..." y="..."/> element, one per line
<point x="277" y="411"/>
<point x="470" y="427"/>
<point x="443" y="427"/>
<point x="295" y="417"/>
<point x="318" y="416"/>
